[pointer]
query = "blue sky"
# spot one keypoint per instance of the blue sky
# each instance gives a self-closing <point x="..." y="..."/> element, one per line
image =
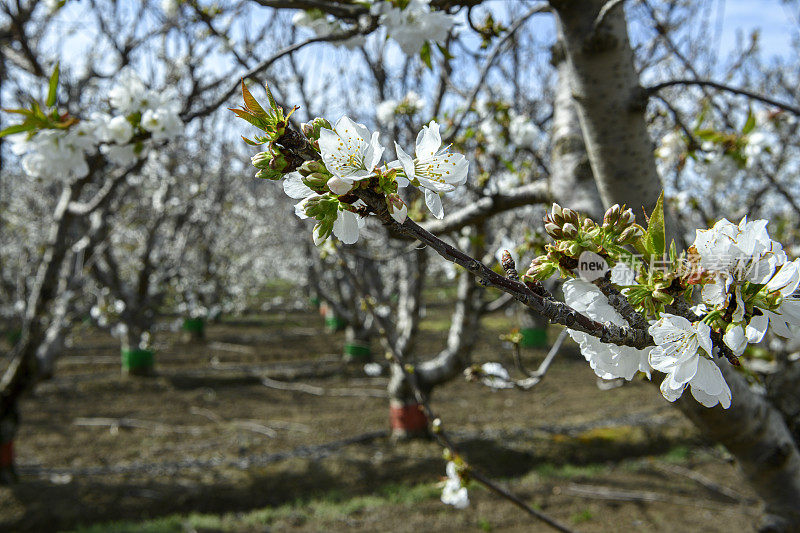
<point x="778" y="23"/>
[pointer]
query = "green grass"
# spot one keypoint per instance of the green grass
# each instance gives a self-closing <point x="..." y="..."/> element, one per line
<point x="332" y="506"/>
<point x="678" y="454"/>
<point x="583" y="516"/>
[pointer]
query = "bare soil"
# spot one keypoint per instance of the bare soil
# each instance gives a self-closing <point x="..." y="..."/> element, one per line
<point x="206" y="435"/>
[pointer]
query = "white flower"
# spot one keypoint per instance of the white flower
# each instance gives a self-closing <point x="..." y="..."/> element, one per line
<point x="347" y="153"/>
<point x="128" y="94"/>
<point x="170" y="7"/>
<point x="608" y="361"/>
<point x="119" y="155"/>
<point x="338" y="186"/>
<point x="162" y="123"/>
<point x="57" y="154"/>
<point x="522" y="131"/>
<point x="678" y="342"/>
<point x="735" y="339"/>
<point x="758" y="142"/>
<point x="787" y="315"/>
<point x="347" y="225"/>
<point x="118" y="130"/>
<point x="494" y="375"/>
<point x="735" y="254"/>
<point x="672" y="146"/>
<point x="385" y="111"/>
<point x="373" y="369"/>
<point x="435" y="169"/>
<point x="453" y="493"/>
<point x="414" y="25"/>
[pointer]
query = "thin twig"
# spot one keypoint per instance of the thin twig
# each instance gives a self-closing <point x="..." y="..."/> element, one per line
<point x="722" y="87"/>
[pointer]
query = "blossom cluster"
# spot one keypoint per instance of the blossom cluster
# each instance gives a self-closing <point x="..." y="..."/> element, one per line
<point x="351" y="157"/>
<point x="413" y="25"/>
<point x="409" y="105"/>
<point x="745" y="281"/>
<point x="61" y="153"/>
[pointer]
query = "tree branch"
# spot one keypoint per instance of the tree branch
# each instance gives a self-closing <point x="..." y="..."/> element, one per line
<point x="649" y="91"/>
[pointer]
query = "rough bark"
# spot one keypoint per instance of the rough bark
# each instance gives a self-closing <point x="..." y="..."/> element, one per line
<point x="755" y="433"/>
<point x="572" y="183"/>
<point x="609" y="102"/>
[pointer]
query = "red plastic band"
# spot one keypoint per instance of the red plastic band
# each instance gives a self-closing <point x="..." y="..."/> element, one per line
<point x="7" y="454"/>
<point x="408" y="418"/>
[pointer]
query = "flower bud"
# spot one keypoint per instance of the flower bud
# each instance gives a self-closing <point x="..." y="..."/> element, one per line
<point x="628" y="217"/>
<point x="553" y="230"/>
<point x="311" y="129"/>
<point x="570" y="216"/>
<point x="588" y="224"/>
<point x="397" y="208"/>
<point x="593" y="233"/>
<point x="611" y="216"/>
<point x="338" y="186"/>
<point x="629" y="236"/>
<point x="261" y="159"/>
<point x="315" y="180"/>
<point x="309" y="167"/>
<point x="540" y="271"/>
<point x="556" y="210"/>
<point x="570" y="230"/>
<point x="575" y="249"/>
<point x="269" y="174"/>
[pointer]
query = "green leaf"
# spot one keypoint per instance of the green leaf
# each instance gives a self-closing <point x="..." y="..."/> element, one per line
<point x="445" y="52"/>
<point x="53" y="87"/>
<point x="251" y="143"/>
<point x="251" y="103"/>
<point x="655" y="228"/>
<point x="643" y="245"/>
<point x="750" y="123"/>
<point x="272" y="103"/>
<point x="17" y="128"/>
<point x="249" y="117"/>
<point x="425" y="55"/>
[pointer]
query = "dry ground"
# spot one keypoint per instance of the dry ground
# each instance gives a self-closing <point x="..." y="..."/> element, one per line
<point x="206" y="446"/>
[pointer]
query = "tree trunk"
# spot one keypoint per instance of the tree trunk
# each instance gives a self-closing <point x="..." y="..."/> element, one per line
<point x="571" y="180"/>
<point x="609" y="101"/>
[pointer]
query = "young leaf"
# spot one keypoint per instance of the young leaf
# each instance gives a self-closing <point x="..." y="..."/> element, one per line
<point x="445" y="52"/>
<point x="251" y="143"/>
<point x="53" y="88"/>
<point x="750" y="123"/>
<point x="250" y="102"/>
<point x="249" y="117"/>
<point x="17" y="128"/>
<point x="425" y="55"/>
<point x="655" y="228"/>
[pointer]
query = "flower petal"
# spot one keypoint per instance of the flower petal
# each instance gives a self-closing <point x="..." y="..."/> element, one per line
<point x="757" y="328"/>
<point x="405" y="161"/>
<point x="346" y="227"/>
<point x="294" y="187"/>
<point x="434" y="203"/>
<point x="428" y="140"/>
